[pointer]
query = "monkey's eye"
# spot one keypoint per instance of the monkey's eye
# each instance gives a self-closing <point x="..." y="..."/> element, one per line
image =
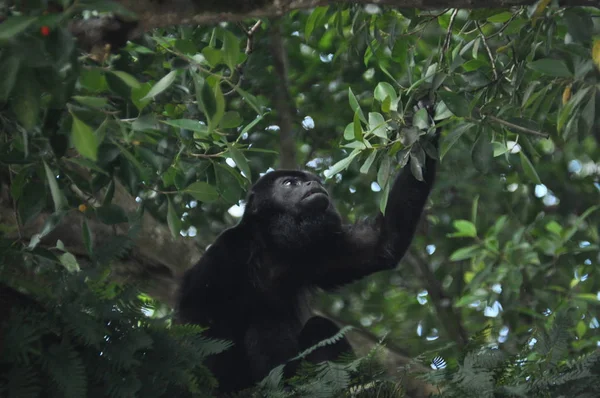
<point x="290" y="181"/>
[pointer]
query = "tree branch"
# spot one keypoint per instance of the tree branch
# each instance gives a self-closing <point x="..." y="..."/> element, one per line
<point x="174" y="12"/>
<point x="282" y="99"/>
<point x="157" y="258"/>
<point x="443" y="305"/>
<point x="151" y="14"/>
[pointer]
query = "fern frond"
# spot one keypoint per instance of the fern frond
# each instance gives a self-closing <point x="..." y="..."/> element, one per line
<point x="66" y="369"/>
<point x="22" y="382"/>
<point x="115" y="247"/>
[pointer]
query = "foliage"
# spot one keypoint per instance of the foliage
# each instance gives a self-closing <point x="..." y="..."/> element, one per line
<point x="92" y="337"/>
<point x="541" y="369"/>
<point x="184" y="119"/>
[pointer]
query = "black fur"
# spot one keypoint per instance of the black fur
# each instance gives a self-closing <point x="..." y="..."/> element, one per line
<point x="251" y="285"/>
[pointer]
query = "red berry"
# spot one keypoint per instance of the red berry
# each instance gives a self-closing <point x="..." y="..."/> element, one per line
<point x="45" y="31"/>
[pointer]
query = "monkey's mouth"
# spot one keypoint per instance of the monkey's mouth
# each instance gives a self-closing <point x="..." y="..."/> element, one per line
<point x="315" y="191"/>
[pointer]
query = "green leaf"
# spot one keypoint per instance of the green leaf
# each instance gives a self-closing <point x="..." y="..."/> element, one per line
<point x="385" y="194"/>
<point x="482" y="152"/>
<point x="483" y="13"/>
<point x="220" y="104"/>
<point x="92" y="102"/>
<point x="231" y="49"/>
<point x="449" y="140"/>
<point x="456" y="103"/>
<point x="474" y="209"/>
<point x="251" y="125"/>
<point x="465" y="253"/>
<point x="341" y="165"/>
<point x="528" y="169"/>
<point x="568" y="234"/>
<point x="140" y="92"/>
<point x="355" y="106"/>
<point x="14" y="25"/>
<point x="9" y="69"/>
<point x="383" y="174"/>
<point x="185" y="46"/>
<point x="589" y="297"/>
<point x="240" y="161"/>
<point x="161" y="85"/>
<point x="377" y="124"/>
<point x="57" y="195"/>
<point x="207" y="99"/>
<point x="464" y="228"/>
<point x="349" y="131"/>
<point x="26" y="103"/>
<point x="86" y="163"/>
<point x="126" y="78"/>
<point x="84" y="139"/>
<point x="551" y="67"/>
<point x="202" y="191"/>
<point x="589" y="113"/>
<point x="252" y="101"/>
<point x="567" y="112"/>
<point x="69" y="261"/>
<point x="145" y="122"/>
<point x="416" y="166"/>
<point x="580" y="329"/>
<point x="93" y="80"/>
<point x="441" y="111"/>
<point x="364" y="169"/>
<point x="110" y="193"/>
<point x="554" y="227"/>
<point x="579" y="24"/>
<point x="386" y="105"/>
<point x="409" y="135"/>
<point x="143" y="173"/>
<point x="231" y="120"/>
<point x="51" y="222"/>
<point x="385" y="90"/>
<point x="357" y="128"/>
<point x="501" y="17"/>
<point x="498" y="226"/>
<point x="313" y="19"/>
<point x="173" y="220"/>
<point x="228" y="184"/>
<point x="421" y="119"/>
<point x="212" y="56"/>
<point x="188" y="124"/>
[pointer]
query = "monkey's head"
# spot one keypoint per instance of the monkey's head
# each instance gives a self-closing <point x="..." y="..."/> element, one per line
<point x="294" y="198"/>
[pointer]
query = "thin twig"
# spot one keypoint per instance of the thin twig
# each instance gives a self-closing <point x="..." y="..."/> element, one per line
<point x="517" y="127"/>
<point x="489" y="51"/>
<point x="14" y="203"/>
<point x="448" y="35"/>
<point x="250" y="34"/>
<point x="249" y="49"/>
<point x="207" y="155"/>
<point x="157" y="190"/>
<point x="503" y="28"/>
<point x="423" y="24"/>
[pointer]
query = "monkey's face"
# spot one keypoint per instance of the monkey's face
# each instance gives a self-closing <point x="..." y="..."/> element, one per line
<point x="298" y="194"/>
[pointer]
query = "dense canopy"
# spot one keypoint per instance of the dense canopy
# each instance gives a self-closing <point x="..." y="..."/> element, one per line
<point x="121" y="161"/>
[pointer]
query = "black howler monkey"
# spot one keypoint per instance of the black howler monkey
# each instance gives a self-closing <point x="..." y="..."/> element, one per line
<point x="249" y="287"/>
